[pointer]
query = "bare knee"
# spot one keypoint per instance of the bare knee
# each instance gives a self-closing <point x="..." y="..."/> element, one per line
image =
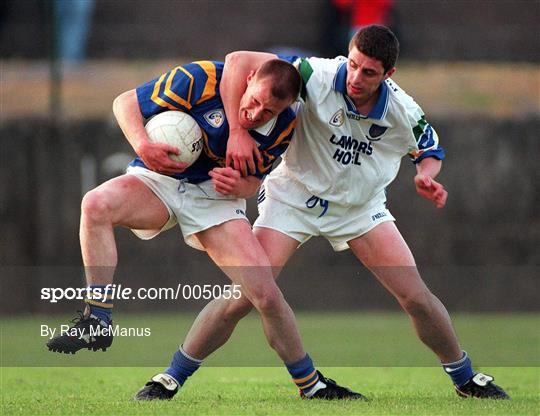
<point x="237" y="309"/>
<point x="268" y="301"/>
<point x="95" y="208"/>
<point x="417" y="304"/>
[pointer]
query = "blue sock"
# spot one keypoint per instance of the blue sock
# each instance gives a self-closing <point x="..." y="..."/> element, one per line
<point x="303" y="373"/>
<point x="461" y="371"/>
<point x="182" y="366"/>
<point x="100" y="302"/>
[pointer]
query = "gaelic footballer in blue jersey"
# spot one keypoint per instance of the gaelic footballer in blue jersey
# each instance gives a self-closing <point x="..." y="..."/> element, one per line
<point x="206" y="200"/>
<point x="194" y="89"/>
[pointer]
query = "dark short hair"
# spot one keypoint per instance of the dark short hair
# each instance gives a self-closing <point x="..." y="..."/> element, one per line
<point x="377" y="42"/>
<point x="286" y="80"/>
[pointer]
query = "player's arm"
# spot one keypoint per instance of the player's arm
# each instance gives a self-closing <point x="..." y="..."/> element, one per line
<point x="228" y="181"/>
<point x="427" y="155"/>
<point x="427" y="170"/>
<point x="241" y="148"/>
<point x="154" y="155"/>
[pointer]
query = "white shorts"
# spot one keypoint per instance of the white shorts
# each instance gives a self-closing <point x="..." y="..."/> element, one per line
<point x="287" y="206"/>
<point x="194" y="207"/>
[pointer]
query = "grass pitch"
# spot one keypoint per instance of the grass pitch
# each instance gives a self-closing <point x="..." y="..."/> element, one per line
<point x="403" y="379"/>
<point x="256" y="391"/>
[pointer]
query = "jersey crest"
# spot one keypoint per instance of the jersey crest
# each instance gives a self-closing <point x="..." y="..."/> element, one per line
<point x="375" y="132"/>
<point x="215" y="117"/>
<point x="338" y="118"/>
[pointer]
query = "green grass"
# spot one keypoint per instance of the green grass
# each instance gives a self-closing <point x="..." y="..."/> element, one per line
<point x="255" y="391"/>
<point x="246" y="378"/>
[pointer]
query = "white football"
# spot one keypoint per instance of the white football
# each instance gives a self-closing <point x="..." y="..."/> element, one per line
<point x="177" y="129"/>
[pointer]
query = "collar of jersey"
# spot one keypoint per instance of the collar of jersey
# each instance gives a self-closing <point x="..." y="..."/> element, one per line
<point x="267" y="127"/>
<point x="381" y="106"/>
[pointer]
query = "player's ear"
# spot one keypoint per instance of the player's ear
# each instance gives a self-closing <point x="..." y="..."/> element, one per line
<point x="390" y="73"/>
<point x="250" y="76"/>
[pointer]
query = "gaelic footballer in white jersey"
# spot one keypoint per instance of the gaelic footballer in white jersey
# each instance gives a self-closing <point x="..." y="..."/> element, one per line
<point x="345" y="157"/>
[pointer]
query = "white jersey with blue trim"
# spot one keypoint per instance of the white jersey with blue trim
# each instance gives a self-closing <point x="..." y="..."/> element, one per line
<point x="343" y="156"/>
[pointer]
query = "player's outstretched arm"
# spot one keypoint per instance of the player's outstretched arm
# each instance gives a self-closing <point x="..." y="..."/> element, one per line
<point x="426" y="185"/>
<point x="154" y="155"/>
<point x="228" y="181"/>
<point x="242" y="151"/>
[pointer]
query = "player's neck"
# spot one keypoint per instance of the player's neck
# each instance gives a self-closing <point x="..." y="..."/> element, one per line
<point x="364" y="107"/>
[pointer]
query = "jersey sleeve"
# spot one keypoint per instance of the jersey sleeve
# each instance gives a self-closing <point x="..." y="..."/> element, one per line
<point x="272" y="152"/>
<point x="181" y="88"/>
<point x="426" y="140"/>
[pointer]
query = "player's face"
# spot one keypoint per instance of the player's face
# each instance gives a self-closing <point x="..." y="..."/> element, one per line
<point x="364" y="76"/>
<point x="258" y="105"/>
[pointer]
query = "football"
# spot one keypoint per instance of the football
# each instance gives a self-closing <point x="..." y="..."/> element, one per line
<point x="178" y="129"/>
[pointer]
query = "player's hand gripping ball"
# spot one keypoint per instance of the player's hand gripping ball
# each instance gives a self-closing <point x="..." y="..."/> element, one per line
<point x="177" y="129"/>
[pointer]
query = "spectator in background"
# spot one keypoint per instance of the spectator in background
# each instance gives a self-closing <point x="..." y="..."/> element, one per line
<point x="73" y="19"/>
<point x="356" y="14"/>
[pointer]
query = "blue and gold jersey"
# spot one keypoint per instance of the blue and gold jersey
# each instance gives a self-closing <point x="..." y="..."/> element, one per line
<point x="194" y="89"/>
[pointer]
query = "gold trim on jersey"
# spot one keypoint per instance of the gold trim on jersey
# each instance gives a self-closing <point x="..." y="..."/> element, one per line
<point x="172" y="95"/>
<point x="210" y="87"/>
<point x="283" y="134"/>
<point x="280" y="139"/>
<point x="155" y="95"/>
<point x="219" y="160"/>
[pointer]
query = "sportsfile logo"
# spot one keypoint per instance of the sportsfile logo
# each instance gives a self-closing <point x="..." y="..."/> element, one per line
<point x="349" y="149"/>
<point x="121" y="292"/>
